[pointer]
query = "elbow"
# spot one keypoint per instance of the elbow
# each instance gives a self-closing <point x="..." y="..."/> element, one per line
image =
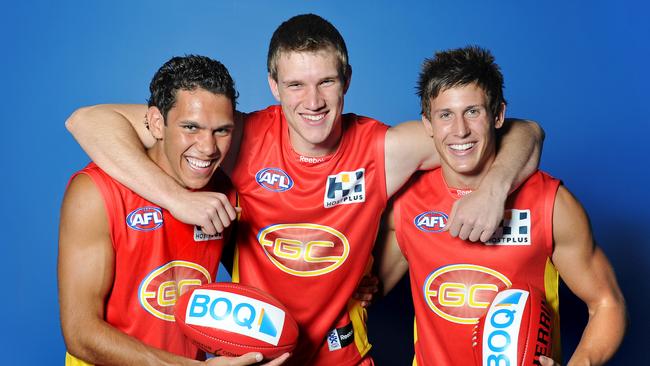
<point x="72" y="123"/>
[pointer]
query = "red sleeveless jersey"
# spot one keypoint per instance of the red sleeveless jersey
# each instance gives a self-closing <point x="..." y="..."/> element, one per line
<point x="157" y="258"/>
<point x="307" y="228"/>
<point x="452" y="280"/>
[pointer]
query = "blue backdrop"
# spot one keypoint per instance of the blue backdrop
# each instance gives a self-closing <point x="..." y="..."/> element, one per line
<point x="579" y="68"/>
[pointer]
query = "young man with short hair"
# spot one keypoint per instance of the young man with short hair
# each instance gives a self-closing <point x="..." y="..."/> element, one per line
<point x="545" y="231"/>
<point x="123" y="261"/>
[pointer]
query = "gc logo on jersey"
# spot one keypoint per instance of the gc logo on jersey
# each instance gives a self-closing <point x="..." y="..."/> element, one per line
<point x="161" y="288"/>
<point x="145" y="218"/>
<point x="431" y="221"/>
<point x="345" y="188"/>
<point x="460" y="293"/>
<point x="515" y="229"/>
<point x="274" y="179"/>
<point x="304" y="249"/>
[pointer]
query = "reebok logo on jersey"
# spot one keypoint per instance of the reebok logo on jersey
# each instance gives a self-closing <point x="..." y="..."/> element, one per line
<point x="201" y="236"/>
<point x="340" y="337"/>
<point x="345" y="188"/>
<point x="515" y="229"/>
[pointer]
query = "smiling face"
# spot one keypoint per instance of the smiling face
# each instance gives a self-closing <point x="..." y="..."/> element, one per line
<point x="196" y="137"/>
<point x="311" y="90"/>
<point x="463" y="131"/>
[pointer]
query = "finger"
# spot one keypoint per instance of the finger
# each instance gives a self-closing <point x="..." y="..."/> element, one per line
<point x="487" y="234"/>
<point x="229" y="209"/>
<point x="475" y="234"/>
<point x="247" y="359"/>
<point x="464" y="231"/>
<point x="546" y="361"/>
<point x="278" y="361"/>
<point x="208" y="228"/>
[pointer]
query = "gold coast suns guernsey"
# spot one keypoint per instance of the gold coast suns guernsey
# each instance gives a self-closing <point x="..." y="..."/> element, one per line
<point x="452" y="280"/>
<point x="157" y="258"/>
<point x="307" y="229"/>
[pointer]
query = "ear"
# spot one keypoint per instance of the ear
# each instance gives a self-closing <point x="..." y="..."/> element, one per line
<point x="500" y="117"/>
<point x="348" y="78"/>
<point x="156" y="122"/>
<point x="273" y="84"/>
<point x="427" y="125"/>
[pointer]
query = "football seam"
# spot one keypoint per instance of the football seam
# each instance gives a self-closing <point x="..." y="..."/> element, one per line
<point x="239" y="344"/>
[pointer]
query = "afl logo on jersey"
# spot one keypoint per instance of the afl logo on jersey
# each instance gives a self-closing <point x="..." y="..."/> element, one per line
<point x="304" y="249"/>
<point x="274" y="179"/>
<point x="431" y="221"/>
<point x="145" y="218"/>
<point x="161" y="288"/>
<point x="461" y="293"/>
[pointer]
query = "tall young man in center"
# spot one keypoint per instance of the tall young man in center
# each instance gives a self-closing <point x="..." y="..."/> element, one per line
<point x="313" y="183"/>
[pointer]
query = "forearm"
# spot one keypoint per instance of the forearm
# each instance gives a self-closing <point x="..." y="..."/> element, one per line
<point x="602" y="336"/>
<point x="517" y="158"/>
<point x="101" y="344"/>
<point x="116" y="145"/>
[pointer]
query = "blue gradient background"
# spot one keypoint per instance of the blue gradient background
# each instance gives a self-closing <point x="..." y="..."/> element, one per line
<point x="577" y="67"/>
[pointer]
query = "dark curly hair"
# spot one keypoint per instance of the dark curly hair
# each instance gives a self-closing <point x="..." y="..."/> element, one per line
<point x="188" y="73"/>
<point x="306" y="33"/>
<point x="459" y="67"/>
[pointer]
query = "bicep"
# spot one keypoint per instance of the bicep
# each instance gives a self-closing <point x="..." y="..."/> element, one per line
<point x="85" y="263"/>
<point x="408" y="148"/>
<point x="582" y="265"/>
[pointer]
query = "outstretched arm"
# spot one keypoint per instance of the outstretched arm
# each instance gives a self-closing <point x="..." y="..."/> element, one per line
<point x="476" y="216"/>
<point x="85" y="271"/>
<point x="113" y="137"/>
<point x="585" y="269"/>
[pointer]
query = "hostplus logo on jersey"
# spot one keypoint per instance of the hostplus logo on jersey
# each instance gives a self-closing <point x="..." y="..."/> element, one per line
<point x="515" y="229"/>
<point x="274" y="179"/>
<point x="199" y="235"/>
<point x="145" y="218"/>
<point x="345" y="188"/>
<point x="431" y="221"/>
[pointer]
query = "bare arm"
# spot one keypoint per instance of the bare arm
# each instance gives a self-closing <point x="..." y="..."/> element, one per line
<point x="585" y="269"/>
<point x="113" y="137"/>
<point x="85" y="270"/>
<point x="391" y="264"/>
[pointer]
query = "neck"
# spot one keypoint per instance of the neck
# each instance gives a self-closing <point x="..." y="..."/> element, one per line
<point x="466" y="180"/>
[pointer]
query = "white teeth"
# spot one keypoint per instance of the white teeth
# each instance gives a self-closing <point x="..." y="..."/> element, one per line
<point x="462" y="147"/>
<point x="314" y="118"/>
<point x="198" y="163"/>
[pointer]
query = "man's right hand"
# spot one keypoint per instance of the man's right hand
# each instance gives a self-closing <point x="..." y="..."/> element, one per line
<point x="247" y="359"/>
<point x="212" y="211"/>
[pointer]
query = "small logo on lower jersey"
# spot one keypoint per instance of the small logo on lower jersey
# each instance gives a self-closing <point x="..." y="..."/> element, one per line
<point x="515" y="229"/>
<point x="201" y="236"/>
<point x="340" y="337"/>
<point x="345" y="188"/>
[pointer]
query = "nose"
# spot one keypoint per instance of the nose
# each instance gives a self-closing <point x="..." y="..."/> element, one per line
<point x="313" y="99"/>
<point x="206" y="144"/>
<point x="461" y="128"/>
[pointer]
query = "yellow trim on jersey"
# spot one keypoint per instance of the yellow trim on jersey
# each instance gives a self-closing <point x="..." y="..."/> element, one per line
<point x="235" y="266"/>
<point x="551" y="287"/>
<point x="358" y="317"/>
<point x="71" y="360"/>
<point x="415" y="338"/>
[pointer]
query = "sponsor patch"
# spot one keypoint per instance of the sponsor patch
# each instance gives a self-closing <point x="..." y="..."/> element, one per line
<point x="340" y="337"/>
<point x="145" y="218"/>
<point x="345" y="188"/>
<point x="161" y="288"/>
<point x="274" y="179"/>
<point x="515" y="229"/>
<point x="201" y="236"/>
<point x="431" y="221"/>
<point x="235" y="313"/>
